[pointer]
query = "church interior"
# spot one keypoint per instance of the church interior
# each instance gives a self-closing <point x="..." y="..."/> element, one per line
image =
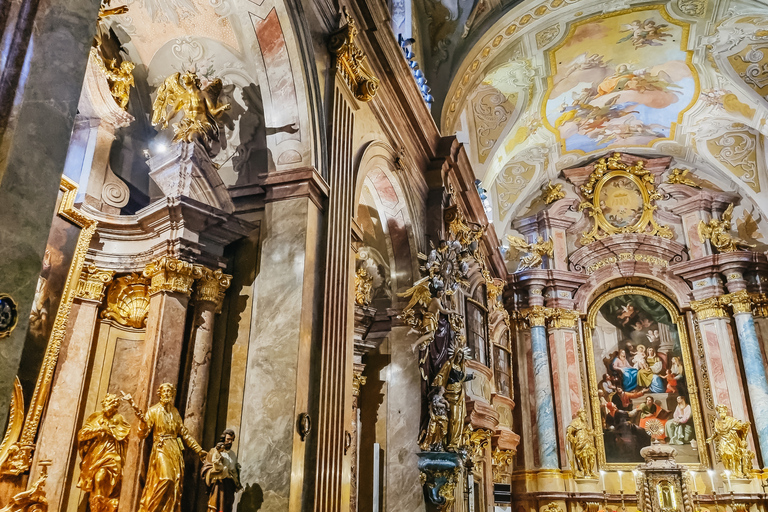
<point x="384" y="256"/>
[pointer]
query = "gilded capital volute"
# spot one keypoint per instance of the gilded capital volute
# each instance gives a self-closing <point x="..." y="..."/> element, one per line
<point x="536" y="316"/>
<point x="171" y="275"/>
<point x="759" y="305"/>
<point x="739" y="301"/>
<point x="211" y="286"/>
<point x="93" y="281"/>
<point x="709" y="308"/>
<point x="563" y="318"/>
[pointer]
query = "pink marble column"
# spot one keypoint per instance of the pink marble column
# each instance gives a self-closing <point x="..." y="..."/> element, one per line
<point x="58" y="432"/>
<point x="169" y="290"/>
<point x="209" y="296"/>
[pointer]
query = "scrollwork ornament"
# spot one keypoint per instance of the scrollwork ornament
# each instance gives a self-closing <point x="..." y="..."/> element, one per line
<point x="501" y="460"/>
<point x="351" y="62"/>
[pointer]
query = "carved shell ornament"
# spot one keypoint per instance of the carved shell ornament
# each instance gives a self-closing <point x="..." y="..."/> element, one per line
<point x="128" y="301"/>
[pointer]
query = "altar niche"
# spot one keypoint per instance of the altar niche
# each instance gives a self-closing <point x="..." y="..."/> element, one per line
<point x="641" y="379"/>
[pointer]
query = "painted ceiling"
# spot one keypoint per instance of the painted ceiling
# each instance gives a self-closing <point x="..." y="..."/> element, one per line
<point x="557" y="83"/>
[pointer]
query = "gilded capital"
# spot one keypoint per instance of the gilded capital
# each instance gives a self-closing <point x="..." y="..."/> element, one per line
<point x="739" y="301"/>
<point x="93" y="281"/>
<point x="759" y="305"/>
<point x="358" y="381"/>
<point x="563" y="318"/>
<point x="709" y="308"/>
<point x="501" y="461"/>
<point x="211" y="285"/>
<point x="351" y="61"/>
<point x="536" y="316"/>
<point x="171" y="275"/>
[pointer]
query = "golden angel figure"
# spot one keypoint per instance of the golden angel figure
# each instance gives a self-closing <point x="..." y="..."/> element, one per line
<point x="730" y="442"/>
<point x="682" y="177"/>
<point x="165" y="472"/>
<point x="420" y="295"/>
<point x="580" y="439"/>
<point x="551" y="192"/>
<point x="102" y="443"/>
<point x="717" y="232"/>
<point x="535" y="250"/>
<point x="183" y="92"/>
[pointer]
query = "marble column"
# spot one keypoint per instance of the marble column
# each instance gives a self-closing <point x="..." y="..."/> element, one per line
<point x="545" y="411"/>
<point x="566" y="373"/>
<point x="58" y="433"/>
<point x="209" y="295"/>
<point x="170" y="287"/>
<point x="752" y="358"/>
<point x="35" y="145"/>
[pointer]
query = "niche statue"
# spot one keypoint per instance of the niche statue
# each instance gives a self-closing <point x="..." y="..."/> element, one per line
<point x="165" y="473"/>
<point x="580" y="439"/>
<point x="730" y="442"/>
<point x="221" y="473"/>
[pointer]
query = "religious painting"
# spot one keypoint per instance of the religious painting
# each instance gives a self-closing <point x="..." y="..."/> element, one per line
<point x="68" y="241"/>
<point x="620" y="80"/>
<point x="641" y="378"/>
<point x="621" y="202"/>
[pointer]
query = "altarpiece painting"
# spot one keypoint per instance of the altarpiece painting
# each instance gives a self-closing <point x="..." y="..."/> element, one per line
<point x="640" y="378"/>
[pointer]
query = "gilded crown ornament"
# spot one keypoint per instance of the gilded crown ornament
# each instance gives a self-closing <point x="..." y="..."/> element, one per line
<point x="718" y="233"/>
<point x="200" y="105"/>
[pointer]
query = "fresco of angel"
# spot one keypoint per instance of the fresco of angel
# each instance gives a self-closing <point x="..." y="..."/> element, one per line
<point x="200" y="105"/>
<point x="536" y="251"/>
<point x="645" y="33"/>
<point x="718" y="233"/>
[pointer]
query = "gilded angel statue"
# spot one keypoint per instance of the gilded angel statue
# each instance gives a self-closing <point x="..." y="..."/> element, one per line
<point x="184" y="92"/>
<point x="431" y="305"/>
<point x="717" y="232"/>
<point x="536" y="251"/>
<point x="682" y="177"/>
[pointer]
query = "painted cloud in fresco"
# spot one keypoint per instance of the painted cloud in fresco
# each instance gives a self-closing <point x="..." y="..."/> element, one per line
<point x="619" y="81"/>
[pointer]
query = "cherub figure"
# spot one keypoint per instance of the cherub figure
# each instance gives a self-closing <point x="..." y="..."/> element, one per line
<point x="200" y="105"/>
<point x="120" y="78"/>
<point x="551" y="192"/>
<point x="717" y="232"/>
<point x="535" y="250"/>
<point x="645" y="33"/>
<point x="421" y="295"/>
<point x="681" y="177"/>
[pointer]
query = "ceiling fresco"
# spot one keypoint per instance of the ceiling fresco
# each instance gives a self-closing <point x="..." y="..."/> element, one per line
<point x="686" y="79"/>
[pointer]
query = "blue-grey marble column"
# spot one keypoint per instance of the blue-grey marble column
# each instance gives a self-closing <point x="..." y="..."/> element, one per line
<point x="545" y="411"/>
<point x="757" y="383"/>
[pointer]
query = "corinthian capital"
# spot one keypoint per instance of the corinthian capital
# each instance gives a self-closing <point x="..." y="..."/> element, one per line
<point x="211" y="286"/>
<point x="92" y="283"/>
<point x="171" y="275"/>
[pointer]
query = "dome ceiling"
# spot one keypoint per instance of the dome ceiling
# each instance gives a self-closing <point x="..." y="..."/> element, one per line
<point x="558" y="83"/>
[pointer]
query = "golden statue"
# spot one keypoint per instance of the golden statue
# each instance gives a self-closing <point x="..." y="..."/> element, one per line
<point x="729" y="436"/>
<point x="363" y="287"/>
<point x="551" y="192"/>
<point x="200" y="105"/>
<point x="119" y="78"/>
<point x="420" y="294"/>
<point x="536" y="250"/>
<point x="717" y="232"/>
<point x="102" y="443"/>
<point x="433" y="438"/>
<point x="452" y="377"/>
<point x="581" y="440"/>
<point x="34" y="498"/>
<point x="165" y="473"/>
<point x="680" y="177"/>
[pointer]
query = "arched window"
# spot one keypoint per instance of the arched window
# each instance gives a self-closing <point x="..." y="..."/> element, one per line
<point x="502" y="365"/>
<point x="477" y="326"/>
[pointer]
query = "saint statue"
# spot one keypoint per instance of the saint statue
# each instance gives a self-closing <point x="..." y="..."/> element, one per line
<point x="221" y="473"/>
<point x="433" y="438"/>
<point x="102" y="443"/>
<point x="165" y="473"/>
<point x="452" y="377"/>
<point x="580" y="439"/>
<point x="730" y="441"/>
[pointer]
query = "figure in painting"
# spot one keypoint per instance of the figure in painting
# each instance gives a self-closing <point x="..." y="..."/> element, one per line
<point x="581" y="441"/>
<point x="221" y="473"/>
<point x="680" y="428"/>
<point x="730" y="442"/>
<point x="200" y="106"/>
<point x="102" y="443"/>
<point x="165" y="472"/>
<point x="645" y="33"/>
<point x="452" y="377"/>
<point x="718" y="233"/>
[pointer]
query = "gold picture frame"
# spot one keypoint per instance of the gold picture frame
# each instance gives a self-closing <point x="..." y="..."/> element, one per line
<point x="19" y="442"/>
<point x="679" y="321"/>
<point x="613" y="215"/>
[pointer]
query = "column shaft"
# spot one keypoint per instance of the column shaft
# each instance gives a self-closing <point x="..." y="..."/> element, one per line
<point x="545" y="411"/>
<point x="202" y="343"/>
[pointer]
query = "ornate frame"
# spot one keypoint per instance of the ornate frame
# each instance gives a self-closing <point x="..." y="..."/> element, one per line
<point x="679" y="321"/>
<point x="607" y="169"/>
<point x="19" y="456"/>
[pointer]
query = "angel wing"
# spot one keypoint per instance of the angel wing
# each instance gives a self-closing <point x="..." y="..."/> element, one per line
<point x="518" y="243"/>
<point x="728" y="214"/>
<point x="705" y="232"/>
<point x="419" y="293"/>
<point x="170" y="93"/>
